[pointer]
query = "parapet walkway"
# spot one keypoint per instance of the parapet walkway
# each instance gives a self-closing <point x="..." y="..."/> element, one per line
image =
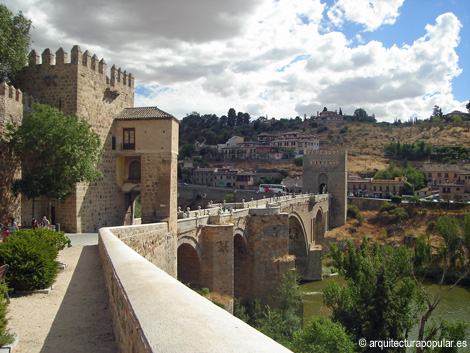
<point x="74" y="316"/>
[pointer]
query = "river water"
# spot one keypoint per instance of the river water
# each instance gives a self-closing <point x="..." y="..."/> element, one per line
<point x="455" y="306"/>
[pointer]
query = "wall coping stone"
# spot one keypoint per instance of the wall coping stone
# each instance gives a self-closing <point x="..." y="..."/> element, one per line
<point x="170" y="316"/>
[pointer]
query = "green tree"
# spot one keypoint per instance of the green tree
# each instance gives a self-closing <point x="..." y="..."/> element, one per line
<point x="209" y="152"/>
<point x="322" y="335"/>
<point x="14" y="43"/>
<point x="360" y="114"/>
<point x="281" y="322"/>
<point x="378" y="302"/>
<point x="299" y="161"/>
<point x="229" y="198"/>
<point x="187" y="151"/>
<point x="231" y="117"/>
<point x="437" y="112"/>
<point x="453" y="254"/>
<point x="56" y="150"/>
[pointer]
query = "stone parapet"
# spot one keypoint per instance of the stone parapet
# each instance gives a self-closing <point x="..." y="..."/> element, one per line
<point x="153" y="312"/>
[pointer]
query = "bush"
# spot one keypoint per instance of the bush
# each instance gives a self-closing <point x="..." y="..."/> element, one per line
<point x="387" y="207"/>
<point x="229" y="198"/>
<point x="32" y="260"/>
<point x="322" y="335"/>
<point x="415" y="199"/>
<point x="56" y="239"/>
<point x="396" y="199"/>
<point x="432" y="225"/>
<point x="5" y="336"/>
<point x="392" y="213"/>
<point x="412" y="211"/>
<point x="353" y="211"/>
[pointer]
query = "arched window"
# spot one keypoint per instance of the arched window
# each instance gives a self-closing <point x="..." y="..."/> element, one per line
<point x="134" y="170"/>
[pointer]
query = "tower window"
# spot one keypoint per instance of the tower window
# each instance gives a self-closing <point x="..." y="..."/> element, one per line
<point x="128" y="139"/>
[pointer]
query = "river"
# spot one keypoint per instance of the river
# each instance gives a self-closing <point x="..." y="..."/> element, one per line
<point x="455" y="306"/>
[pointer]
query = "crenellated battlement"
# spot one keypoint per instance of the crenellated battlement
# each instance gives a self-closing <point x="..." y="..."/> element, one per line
<point x="15" y="95"/>
<point x="325" y="152"/>
<point x="46" y="60"/>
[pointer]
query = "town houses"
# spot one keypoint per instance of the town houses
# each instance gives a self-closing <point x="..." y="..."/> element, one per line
<point x="268" y="146"/>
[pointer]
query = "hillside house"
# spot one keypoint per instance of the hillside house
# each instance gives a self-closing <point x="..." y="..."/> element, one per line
<point x="329" y="116"/>
<point x="437" y="174"/>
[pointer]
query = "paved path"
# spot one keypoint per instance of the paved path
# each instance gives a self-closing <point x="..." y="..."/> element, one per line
<point x="74" y="316"/>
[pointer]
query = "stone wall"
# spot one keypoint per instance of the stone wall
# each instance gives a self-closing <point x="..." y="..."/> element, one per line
<point x="153" y="312"/>
<point x="153" y="242"/>
<point x="367" y="204"/>
<point x="13" y="106"/>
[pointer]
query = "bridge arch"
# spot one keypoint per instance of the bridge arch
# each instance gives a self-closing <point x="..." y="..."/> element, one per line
<point x="189" y="262"/>
<point x="319" y="232"/>
<point x="298" y="243"/>
<point x="243" y="266"/>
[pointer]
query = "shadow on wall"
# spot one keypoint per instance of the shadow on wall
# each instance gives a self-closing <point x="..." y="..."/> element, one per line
<point x="83" y="322"/>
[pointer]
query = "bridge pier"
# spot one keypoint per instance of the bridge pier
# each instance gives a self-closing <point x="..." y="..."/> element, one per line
<point x="217" y="261"/>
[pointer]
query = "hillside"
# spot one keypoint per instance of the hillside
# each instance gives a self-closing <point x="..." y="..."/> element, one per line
<point x="364" y="142"/>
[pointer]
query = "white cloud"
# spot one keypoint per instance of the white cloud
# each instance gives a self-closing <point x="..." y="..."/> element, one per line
<point x="262" y="57"/>
<point x="370" y="13"/>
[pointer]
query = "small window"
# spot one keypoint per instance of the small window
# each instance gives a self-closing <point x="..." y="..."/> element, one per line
<point x="128" y="139"/>
<point x="134" y="170"/>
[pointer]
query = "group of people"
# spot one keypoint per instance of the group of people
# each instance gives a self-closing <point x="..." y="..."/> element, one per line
<point x="45" y="224"/>
<point x="11" y="226"/>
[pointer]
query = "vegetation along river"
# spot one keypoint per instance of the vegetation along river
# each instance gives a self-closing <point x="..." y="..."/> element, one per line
<point x="455" y="306"/>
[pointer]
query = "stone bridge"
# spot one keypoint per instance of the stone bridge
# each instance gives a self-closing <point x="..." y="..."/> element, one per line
<point x="242" y="250"/>
<point x="237" y="250"/>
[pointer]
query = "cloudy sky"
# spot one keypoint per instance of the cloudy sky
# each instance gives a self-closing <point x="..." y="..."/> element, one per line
<point x="283" y="58"/>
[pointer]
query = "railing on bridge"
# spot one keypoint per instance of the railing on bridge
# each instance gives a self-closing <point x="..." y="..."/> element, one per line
<point x="224" y="212"/>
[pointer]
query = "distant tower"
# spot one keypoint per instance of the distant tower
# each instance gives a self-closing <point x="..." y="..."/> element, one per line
<point x="326" y="172"/>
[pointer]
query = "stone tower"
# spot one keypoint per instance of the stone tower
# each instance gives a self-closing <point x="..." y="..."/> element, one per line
<point x="326" y="172"/>
<point x="82" y="87"/>
<point x="140" y="145"/>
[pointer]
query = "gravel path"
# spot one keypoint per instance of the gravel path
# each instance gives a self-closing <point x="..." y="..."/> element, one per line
<point x="73" y="317"/>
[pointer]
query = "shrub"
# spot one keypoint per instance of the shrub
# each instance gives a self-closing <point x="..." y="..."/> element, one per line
<point x="56" y="239"/>
<point x="396" y="199"/>
<point x="229" y="198"/>
<point x="387" y="207"/>
<point x="391" y="213"/>
<point x="412" y="211"/>
<point x="353" y="211"/>
<point x="322" y="335"/>
<point x="415" y="199"/>
<point x="5" y="336"/>
<point x="32" y="261"/>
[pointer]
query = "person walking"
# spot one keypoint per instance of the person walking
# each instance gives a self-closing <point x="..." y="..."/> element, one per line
<point x="13" y="225"/>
